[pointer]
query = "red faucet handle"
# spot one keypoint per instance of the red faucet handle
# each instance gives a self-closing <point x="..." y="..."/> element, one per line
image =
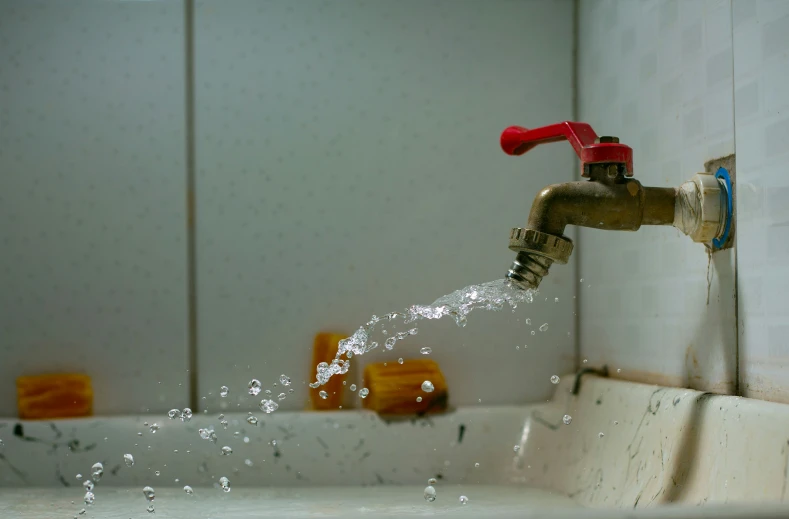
<point x="590" y="148"/>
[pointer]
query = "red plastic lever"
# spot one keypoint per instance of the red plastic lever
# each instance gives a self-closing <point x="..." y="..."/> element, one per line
<point x="516" y="140"/>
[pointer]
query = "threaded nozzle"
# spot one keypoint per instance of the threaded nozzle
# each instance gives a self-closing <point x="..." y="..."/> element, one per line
<point x="528" y="270"/>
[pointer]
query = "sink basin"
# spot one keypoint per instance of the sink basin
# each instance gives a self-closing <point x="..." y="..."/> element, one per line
<point x="661" y="451"/>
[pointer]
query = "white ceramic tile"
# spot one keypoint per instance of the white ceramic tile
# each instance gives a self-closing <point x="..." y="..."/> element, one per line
<point x="761" y="71"/>
<point x="348" y="164"/>
<point x="644" y="298"/>
<point x="92" y="218"/>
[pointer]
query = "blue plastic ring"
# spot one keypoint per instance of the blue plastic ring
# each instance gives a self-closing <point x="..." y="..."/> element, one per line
<point x="723" y="174"/>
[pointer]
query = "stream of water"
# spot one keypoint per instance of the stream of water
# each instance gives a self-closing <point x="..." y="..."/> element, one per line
<point x="493" y="295"/>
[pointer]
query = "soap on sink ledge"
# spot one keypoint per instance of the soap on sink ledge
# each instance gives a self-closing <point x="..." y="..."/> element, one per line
<point x="57" y="395"/>
<point x="417" y="386"/>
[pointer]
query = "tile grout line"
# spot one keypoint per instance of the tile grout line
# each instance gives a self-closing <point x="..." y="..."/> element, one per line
<point x="191" y="238"/>
<point x="576" y="26"/>
<point x="737" y="388"/>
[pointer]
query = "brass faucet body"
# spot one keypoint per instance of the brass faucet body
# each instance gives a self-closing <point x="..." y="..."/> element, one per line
<point x="608" y="200"/>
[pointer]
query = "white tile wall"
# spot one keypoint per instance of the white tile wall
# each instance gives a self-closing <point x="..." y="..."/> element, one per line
<point x="761" y="100"/>
<point x="348" y="164"/>
<point x="92" y="212"/>
<point x="658" y="74"/>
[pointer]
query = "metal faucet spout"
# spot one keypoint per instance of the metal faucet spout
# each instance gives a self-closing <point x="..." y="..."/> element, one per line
<point x="610" y="199"/>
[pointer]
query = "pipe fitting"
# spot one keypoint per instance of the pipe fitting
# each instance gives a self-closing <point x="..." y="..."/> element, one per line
<point x="556" y="248"/>
<point x="537" y="251"/>
<point x="700" y="208"/>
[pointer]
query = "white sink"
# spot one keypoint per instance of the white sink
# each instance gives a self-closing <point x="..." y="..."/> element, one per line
<point x="663" y="451"/>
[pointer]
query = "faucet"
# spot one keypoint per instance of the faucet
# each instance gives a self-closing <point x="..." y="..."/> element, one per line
<point x="609" y="199"/>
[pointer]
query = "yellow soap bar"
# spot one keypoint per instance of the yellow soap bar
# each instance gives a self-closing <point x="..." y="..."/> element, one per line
<point x="324" y="349"/>
<point x="397" y="389"/>
<point x="61" y="395"/>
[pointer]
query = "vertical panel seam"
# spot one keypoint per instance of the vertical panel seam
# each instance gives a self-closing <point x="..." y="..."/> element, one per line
<point x="576" y="27"/>
<point x="191" y="238"/>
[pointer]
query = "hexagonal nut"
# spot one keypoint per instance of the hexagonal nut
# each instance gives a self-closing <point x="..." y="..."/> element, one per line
<point x="557" y="248"/>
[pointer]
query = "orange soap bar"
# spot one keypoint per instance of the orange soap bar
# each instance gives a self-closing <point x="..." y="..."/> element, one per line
<point x="63" y="395"/>
<point x="324" y="349"/>
<point x="397" y="389"/>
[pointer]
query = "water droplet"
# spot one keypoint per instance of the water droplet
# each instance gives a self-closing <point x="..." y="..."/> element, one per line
<point x="601" y="435"/>
<point x="154" y="427"/>
<point x="430" y="494"/>
<point x="476" y="465"/>
<point x="268" y="406"/>
<point x="78" y="476"/>
<point x="567" y="419"/>
<point x="463" y="500"/>
<point x="554" y="379"/>
<point x="189" y="491"/>
<point x="268" y="392"/>
<point x="290" y="390"/>
<point x="432" y="481"/>
<point x="128" y="459"/>
<point x="157" y="473"/>
<point x="516" y="448"/>
<point x="97" y="470"/>
<point x="248" y="462"/>
<point x="556" y="300"/>
<point x="533" y="332"/>
<point x="400" y="360"/>
<point x="284" y="380"/>
<point x="390" y="342"/>
<point x="88" y="485"/>
<point x="582" y="280"/>
<point x="149" y="494"/>
<point x="427" y="386"/>
<point x="224" y="483"/>
<point x="254" y="387"/>
<point x="204" y="433"/>
<point x="585" y="361"/>
<point x="89" y="498"/>
<point x="223" y="391"/>
<point x="82" y="512"/>
<point x="353" y="387"/>
<point x="172" y="414"/>
<point x="413" y="331"/>
<point x="151" y="509"/>
<point x="419" y="399"/>
<point x="619" y="370"/>
<point x="427" y="350"/>
<point x="363" y="392"/>
<point x="323" y="394"/>
<point x="281" y="397"/>
<point x="252" y="420"/>
<point x="544" y="327"/>
<point x="226" y="451"/>
<point x="186" y="414"/>
<point x="616" y="422"/>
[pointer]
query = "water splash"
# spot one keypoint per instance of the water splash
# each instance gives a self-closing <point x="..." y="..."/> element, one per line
<point x="493" y="295"/>
<point x="97" y="470"/>
<point x="430" y="494"/>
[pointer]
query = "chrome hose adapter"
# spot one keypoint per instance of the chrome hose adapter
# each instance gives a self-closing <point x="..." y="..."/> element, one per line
<point x="537" y="251"/>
